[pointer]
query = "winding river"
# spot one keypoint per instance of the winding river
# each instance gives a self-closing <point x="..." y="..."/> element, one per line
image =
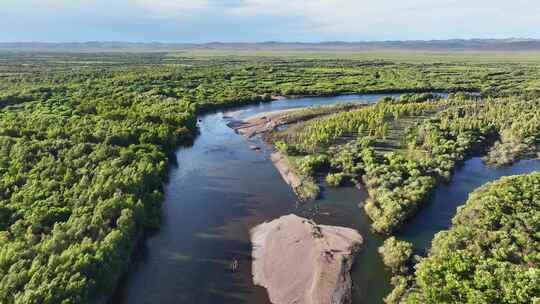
<point x="221" y="188"/>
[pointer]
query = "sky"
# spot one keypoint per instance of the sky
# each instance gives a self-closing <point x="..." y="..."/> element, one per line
<point x="265" y="20"/>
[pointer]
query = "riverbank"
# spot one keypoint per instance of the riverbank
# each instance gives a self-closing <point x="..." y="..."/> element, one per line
<point x="266" y="123"/>
<point x="480" y="231"/>
<point x="305" y="187"/>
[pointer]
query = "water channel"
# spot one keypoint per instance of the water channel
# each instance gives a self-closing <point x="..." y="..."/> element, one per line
<point x="220" y="188"/>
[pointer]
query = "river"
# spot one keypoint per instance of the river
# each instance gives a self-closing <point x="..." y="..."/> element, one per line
<point x="221" y="188"/>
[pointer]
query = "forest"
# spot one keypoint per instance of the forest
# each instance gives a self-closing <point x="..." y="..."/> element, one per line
<point x="86" y="139"/>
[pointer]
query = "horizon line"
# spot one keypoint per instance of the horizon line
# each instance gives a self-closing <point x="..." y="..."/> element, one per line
<point x="511" y="39"/>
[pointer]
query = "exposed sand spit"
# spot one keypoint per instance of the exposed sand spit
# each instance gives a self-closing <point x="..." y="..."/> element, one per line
<point x="284" y="168"/>
<point x="303" y="263"/>
<point x="260" y="123"/>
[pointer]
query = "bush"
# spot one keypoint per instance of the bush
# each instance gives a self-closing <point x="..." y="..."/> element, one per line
<point x="311" y="164"/>
<point x="335" y="179"/>
<point x="309" y="190"/>
<point x="396" y="254"/>
<point x="283" y="147"/>
<point x="401" y="284"/>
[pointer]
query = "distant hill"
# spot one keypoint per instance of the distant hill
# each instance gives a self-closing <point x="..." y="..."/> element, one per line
<point x="411" y="45"/>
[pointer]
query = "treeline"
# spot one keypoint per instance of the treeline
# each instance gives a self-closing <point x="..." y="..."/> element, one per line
<point x="489" y="255"/>
<point x="318" y="134"/>
<point x="223" y="80"/>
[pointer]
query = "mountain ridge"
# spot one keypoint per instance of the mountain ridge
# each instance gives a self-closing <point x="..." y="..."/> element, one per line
<point x="509" y="44"/>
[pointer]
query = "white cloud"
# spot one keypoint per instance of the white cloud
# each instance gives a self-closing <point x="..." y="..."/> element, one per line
<point x="291" y="19"/>
<point x="360" y="17"/>
<point x="174" y="8"/>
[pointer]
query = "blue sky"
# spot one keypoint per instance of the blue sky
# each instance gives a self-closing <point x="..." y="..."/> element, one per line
<point x="265" y="20"/>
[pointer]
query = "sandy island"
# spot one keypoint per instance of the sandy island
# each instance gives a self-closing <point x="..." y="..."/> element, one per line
<point x="300" y="262"/>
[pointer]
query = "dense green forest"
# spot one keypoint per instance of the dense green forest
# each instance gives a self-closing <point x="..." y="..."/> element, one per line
<point x="490" y="254"/>
<point x="86" y="138"/>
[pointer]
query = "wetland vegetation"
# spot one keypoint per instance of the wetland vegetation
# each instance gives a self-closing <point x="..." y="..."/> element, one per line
<point x="429" y="139"/>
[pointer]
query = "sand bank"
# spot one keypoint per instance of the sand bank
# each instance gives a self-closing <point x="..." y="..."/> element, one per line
<point x="300" y="262"/>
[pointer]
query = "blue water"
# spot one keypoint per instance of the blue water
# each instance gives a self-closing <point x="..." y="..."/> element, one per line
<point x="437" y="215"/>
<point x="286" y="104"/>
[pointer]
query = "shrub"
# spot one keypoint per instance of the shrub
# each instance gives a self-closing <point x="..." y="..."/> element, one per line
<point x="335" y="179"/>
<point x="311" y="164"/>
<point x="396" y="254"/>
